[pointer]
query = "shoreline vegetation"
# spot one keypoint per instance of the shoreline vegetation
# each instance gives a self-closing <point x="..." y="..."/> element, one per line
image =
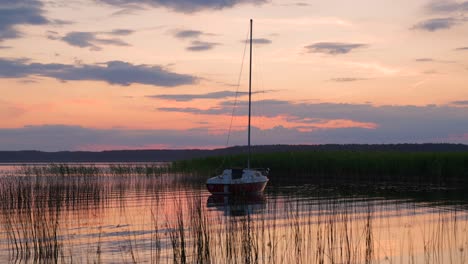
<point x="167" y="155"/>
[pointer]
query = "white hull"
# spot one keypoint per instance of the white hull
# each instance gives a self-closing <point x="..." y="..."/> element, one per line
<point x="236" y="181"/>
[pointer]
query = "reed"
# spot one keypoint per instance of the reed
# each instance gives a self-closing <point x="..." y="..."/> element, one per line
<point x="155" y="254"/>
<point x="177" y="236"/>
<point x="200" y="231"/>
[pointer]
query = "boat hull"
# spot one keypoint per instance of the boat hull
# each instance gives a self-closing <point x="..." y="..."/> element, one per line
<point x="236" y="188"/>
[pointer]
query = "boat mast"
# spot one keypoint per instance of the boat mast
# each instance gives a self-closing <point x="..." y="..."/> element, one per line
<point x="250" y="93"/>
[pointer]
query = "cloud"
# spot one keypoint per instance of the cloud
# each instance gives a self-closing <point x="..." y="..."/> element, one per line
<point x="445" y="6"/>
<point x="430" y="72"/>
<point x="80" y="39"/>
<point x="436" y="24"/>
<point x="393" y="123"/>
<point x="460" y="103"/>
<point x="120" y="32"/>
<point x="347" y="79"/>
<point x="60" y="22"/>
<point x="389" y="124"/>
<point x="197" y="45"/>
<point x="182" y="34"/>
<point x="129" y="9"/>
<point x="462" y="48"/>
<point x="454" y="14"/>
<point x="10" y="110"/>
<point x="112" y="72"/>
<point x="433" y="60"/>
<point x="424" y="59"/>
<point x="19" y="12"/>
<point x="213" y="95"/>
<point x="334" y="48"/>
<point x="183" y="6"/>
<point x="259" y="41"/>
<point x="91" y="40"/>
<point x="123" y="73"/>
<point x="66" y="137"/>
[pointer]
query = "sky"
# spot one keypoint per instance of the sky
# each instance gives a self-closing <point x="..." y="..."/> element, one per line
<point x="149" y="74"/>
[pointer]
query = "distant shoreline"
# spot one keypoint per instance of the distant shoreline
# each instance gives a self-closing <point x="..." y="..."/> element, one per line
<point x="166" y="155"/>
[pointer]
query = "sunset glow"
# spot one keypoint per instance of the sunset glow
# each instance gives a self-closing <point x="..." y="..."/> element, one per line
<point x="127" y="74"/>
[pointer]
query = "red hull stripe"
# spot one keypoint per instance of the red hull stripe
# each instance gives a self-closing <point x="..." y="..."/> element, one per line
<point x="254" y="187"/>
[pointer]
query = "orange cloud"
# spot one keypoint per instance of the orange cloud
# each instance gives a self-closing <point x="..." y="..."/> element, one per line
<point x="218" y="126"/>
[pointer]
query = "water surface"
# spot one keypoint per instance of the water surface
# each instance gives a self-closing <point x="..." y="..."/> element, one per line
<point x="135" y="213"/>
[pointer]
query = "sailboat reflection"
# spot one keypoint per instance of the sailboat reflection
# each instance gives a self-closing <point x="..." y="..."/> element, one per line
<point x="235" y="205"/>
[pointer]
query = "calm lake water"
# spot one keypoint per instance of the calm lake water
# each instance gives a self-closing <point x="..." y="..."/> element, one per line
<point x="140" y="213"/>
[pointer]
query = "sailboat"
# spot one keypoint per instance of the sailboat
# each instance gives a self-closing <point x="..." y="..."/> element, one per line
<point x="241" y="181"/>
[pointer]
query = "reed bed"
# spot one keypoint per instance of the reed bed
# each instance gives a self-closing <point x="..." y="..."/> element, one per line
<point x="31" y="220"/>
<point x="92" y="170"/>
<point x="434" y="167"/>
<point x="34" y="205"/>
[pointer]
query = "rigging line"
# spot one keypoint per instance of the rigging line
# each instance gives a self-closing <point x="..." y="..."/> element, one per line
<point x="235" y="99"/>
<point x="237" y="89"/>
